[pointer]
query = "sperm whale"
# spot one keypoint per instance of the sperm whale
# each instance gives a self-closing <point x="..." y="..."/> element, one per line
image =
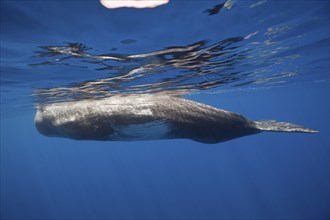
<point x="149" y="117"/>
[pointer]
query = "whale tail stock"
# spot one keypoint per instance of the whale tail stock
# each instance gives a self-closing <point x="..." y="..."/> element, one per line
<point x="275" y="126"/>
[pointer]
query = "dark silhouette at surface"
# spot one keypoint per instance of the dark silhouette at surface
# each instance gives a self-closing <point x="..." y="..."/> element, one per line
<point x="215" y="10"/>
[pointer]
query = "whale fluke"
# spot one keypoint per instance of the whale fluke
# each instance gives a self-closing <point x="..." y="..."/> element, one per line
<point x="276" y="126"/>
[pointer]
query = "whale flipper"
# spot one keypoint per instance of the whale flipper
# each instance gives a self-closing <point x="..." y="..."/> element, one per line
<point x="276" y="126"/>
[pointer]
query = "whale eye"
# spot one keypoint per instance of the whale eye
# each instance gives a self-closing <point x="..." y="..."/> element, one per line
<point x="41" y="109"/>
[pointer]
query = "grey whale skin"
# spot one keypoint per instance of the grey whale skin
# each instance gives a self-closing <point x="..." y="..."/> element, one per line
<point x="149" y="117"/>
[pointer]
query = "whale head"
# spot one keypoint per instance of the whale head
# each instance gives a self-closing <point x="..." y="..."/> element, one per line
<point x="52" y="122"/>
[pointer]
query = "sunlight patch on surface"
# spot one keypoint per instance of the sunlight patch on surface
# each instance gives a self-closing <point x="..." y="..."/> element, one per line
<point x="111" y="4"/>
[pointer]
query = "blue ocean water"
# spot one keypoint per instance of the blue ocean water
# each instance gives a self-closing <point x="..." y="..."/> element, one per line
<point x="263" y="59"/>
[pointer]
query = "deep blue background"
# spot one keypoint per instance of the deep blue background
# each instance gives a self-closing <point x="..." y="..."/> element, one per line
<point x="265" y="176"/>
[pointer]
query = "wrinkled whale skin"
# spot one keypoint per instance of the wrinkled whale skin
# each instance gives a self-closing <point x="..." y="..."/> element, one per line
<point x="141" y="117"/>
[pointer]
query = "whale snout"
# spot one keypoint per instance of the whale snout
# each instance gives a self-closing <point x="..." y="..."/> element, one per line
<point x="45" y="124"/>
<point x="53" y="123"/>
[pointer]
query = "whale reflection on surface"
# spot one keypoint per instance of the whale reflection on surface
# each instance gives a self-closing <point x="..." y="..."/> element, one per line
<point x="232" y="62"/>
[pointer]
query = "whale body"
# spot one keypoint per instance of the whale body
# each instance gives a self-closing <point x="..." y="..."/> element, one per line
<point x="149" y="117"/>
